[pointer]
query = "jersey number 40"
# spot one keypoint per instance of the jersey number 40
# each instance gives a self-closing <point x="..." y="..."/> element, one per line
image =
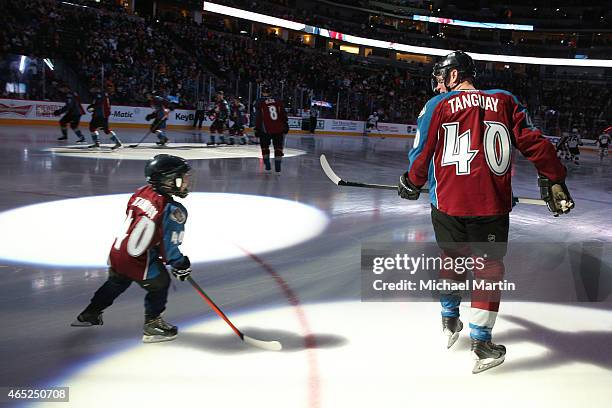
<point x="139" y="238"/>
<point x="458" y="152"/>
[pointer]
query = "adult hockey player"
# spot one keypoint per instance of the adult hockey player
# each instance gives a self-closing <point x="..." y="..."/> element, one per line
<point x="562" y="148"/>
<point x="159" y="116"/>
<point x="462" y="149"/>
<point x="152" y="233"/>
<point x="219" y="115"/>
<point x="372" y="122"/>
<point x="603" y="141"/>
<point x="100" y="109"/>
<point x="237" y="116"/>
<point x="72" y="111"/>
<point x="573" y="143"/>
<point x="271" y="125"/>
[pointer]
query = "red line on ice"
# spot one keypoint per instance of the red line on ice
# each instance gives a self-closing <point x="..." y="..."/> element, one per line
<point x="310" y="342"/>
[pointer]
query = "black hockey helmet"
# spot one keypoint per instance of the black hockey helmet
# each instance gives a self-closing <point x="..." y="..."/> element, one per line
<point x="169" y="175"/>
<point x="266" y="90"/>
<point x="459" y="60"/>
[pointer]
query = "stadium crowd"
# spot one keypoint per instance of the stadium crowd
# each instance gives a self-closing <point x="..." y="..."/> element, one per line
<point x="174" y="54"/>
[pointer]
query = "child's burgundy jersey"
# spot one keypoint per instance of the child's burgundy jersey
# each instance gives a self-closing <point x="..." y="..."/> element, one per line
<point x="152" y="232"/>
<point x="464" y="147"/>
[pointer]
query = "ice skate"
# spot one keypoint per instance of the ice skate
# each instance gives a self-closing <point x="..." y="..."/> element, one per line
<point x="163" y="140"/>
<point x="451" y="326"/>
<point x="157" y="330"/>
<point x="80" y="140"/>
<point x="486" y="355"/>
<point x="95" y="145"/>
<point x="117" y="145"/>
<point x="86" y="319"/>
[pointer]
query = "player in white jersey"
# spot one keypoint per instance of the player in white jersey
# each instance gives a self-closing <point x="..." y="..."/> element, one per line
<point x="573" y="142"/>
<point x="603" y="141"/>
<point x="372" y="122"/>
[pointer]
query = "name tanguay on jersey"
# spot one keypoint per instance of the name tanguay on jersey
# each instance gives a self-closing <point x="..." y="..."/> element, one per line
<point x="473" y="99"/>
<point x="146" y="206"/>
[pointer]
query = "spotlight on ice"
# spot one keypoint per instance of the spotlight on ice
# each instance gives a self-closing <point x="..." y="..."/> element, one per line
<point x="80" y="231"/>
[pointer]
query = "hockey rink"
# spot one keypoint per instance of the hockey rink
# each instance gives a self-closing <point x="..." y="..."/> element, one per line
<point x="281" y="255"/>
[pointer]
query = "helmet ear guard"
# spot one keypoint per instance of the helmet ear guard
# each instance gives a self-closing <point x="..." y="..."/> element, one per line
<point x="169" y="175"/>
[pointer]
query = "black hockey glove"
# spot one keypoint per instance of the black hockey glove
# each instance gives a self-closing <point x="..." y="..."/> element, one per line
<point x="150" y="116"/>
<point x="57" y="112"/>
<point x="286" y="128"/>
<point x="406" y="189"/>
<point x="556" y="195"/>
<point x="90" y="109"/>
<point x="181" y="269"/>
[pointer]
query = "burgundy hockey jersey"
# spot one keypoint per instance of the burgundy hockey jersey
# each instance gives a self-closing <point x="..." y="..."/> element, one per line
<point x="270" y="116"/>
<point x="152" y="233"/>
<point x="464" y="147"/>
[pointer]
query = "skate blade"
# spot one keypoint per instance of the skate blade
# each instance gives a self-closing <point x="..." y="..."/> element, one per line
<point x="486" y="364"/>
<point x="157" y="339"/>
<point x="78" y="323"/>
<point x="452" y="338"/>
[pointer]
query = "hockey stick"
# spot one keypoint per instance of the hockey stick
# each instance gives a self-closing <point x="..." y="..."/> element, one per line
<point x="266" y="345"/>
<point x="338" y="181"/>
<point x="141" y="140"/>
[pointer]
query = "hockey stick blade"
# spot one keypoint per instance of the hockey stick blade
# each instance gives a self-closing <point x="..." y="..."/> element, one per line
<point x="328" y="170"/>
<point x="265" y="345"/>
<point x="141" y="140"/>
<point x="262" y="344"/>
<point x="338" y="181"/>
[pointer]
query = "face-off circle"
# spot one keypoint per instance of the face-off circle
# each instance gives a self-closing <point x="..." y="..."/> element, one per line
<point x="189" y="151"/>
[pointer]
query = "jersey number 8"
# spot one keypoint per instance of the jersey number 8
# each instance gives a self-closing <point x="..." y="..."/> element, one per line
<point x="273" y="112"/>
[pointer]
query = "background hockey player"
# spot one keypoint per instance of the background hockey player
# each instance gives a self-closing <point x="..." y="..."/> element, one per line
<point x="271" y="125"/>
<point x="153" y="232"/>
<point x="160" y="114"/>
<point x="237" y="116"/>
<point x="463" y="150"/>
<point x="573" y="143"/>
<point x="72" y="111"/>
<point x="200" y="114"/>
<point x="372" y="122"/>
<point x="100" y="109"/>
<point x="603" y="141"/>
<point x="219" y="115"/>
<point x="313" y="117"/>
<point x="562" y="148"/>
